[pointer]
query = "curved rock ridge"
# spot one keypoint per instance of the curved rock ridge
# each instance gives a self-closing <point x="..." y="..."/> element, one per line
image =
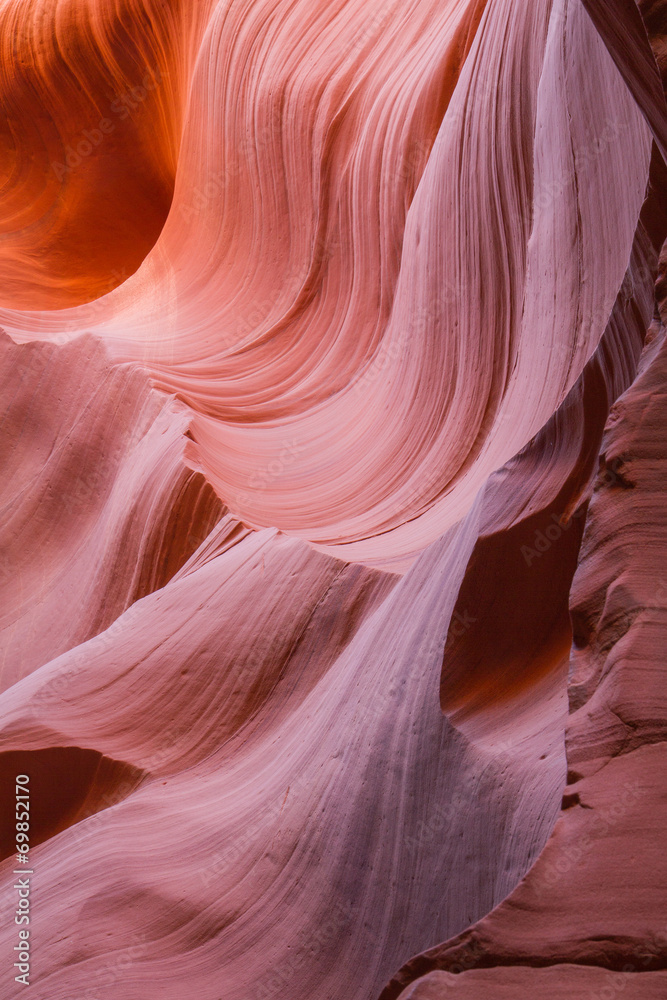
<point x="92" y="114"/>
<point x="67" y="785"/>
<point x="366" y="288"/>
<point x="278" y="755"/>
<point x="332" y="522"/>
<point x="548" y="984"/>
<point x="593" y="897"/>
<point x="256" y="690"/>
<point x="518" y="640"/>
<point x="97" y="507"/>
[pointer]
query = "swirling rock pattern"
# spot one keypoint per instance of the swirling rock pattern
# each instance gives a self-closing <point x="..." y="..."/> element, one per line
<point x="593" y="896"/>
<point x="313" y="256"/>
<point x="332" y="523"/>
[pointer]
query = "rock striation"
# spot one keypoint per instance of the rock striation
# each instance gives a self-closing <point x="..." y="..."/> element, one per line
<point x="332" y="523"/>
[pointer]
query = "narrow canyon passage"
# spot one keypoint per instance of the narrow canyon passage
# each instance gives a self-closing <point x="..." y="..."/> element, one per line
<point x="332" y="366"/>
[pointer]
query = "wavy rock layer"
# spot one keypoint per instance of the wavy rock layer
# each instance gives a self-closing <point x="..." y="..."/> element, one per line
<point x="98" y="507"/>
<point x="333" y="467"/>
<point x="269" y="706"/>
<point x="593" y="896"/>
<point x="366" y="212"/>
<point x="548" y="984"/>
<point x="90" y="134"/>
<point x="267" y="763"/>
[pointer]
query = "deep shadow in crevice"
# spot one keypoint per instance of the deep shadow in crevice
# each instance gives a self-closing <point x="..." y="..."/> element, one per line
<point x="66" y="785"/>
<point x="511" y="623"/>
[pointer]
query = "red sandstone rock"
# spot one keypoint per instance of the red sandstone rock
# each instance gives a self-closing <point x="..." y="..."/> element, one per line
<point x="594" y="896"/>
<point x="381" y="270"/>
<point x="332" y="518"/>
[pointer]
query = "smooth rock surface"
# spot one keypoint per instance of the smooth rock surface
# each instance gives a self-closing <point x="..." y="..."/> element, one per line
<point x="332" y="521"/>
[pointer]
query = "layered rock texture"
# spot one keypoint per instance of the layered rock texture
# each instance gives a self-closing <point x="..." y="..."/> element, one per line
<point x="333" y="534"/>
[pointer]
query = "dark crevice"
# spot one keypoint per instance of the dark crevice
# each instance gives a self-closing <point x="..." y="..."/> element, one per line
<point x="66" y="785"/>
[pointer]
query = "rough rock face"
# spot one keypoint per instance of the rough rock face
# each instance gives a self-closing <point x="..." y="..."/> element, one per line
<point x="334" y="593"/>
<point x="595" y="895"/>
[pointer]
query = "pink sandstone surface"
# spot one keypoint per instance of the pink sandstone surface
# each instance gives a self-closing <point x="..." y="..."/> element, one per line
<point x="333" y="546"/>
